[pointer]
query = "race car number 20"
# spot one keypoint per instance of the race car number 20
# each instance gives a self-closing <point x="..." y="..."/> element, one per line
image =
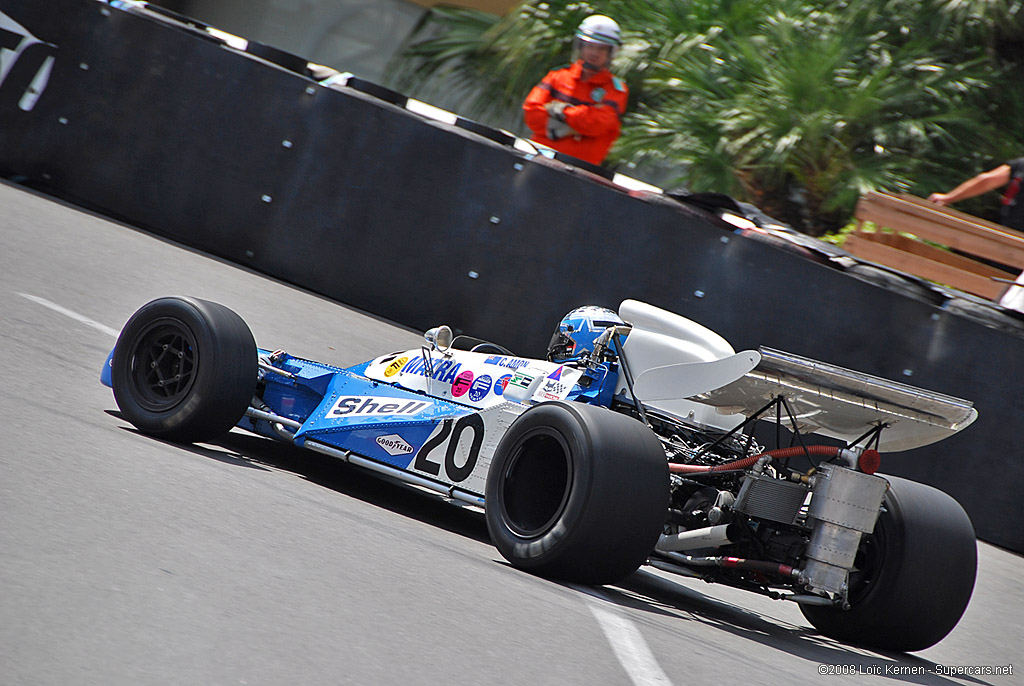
<point x="451" y="431"/>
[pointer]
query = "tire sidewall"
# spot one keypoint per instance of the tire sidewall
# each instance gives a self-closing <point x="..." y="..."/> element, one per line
<point x="532" y="551"/>
<point x="225" y="356"/>
<point x="924" y="570"/>
<point x="616" y="497"/>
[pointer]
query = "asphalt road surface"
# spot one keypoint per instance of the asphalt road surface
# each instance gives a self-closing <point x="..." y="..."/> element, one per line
<point x="127" y="560"/>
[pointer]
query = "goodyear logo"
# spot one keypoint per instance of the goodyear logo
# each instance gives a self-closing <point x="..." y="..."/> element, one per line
<point x="374" y="406"/>
<point x="394" y="444"/>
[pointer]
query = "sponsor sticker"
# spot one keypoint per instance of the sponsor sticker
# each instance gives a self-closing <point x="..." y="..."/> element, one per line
<point x="462" y="383"/>
<point x="395" y="366"/>
<point x="374" y="406"/>
<point x="520" y="380"/>
<point x="501" y="383"/>
<point x="481" y="386"/>
<point x="553" y="388"/>
<point x="444" y="370"/>
<point x="394" y="444"/>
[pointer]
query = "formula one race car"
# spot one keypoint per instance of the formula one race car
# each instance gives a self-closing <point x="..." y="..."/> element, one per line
<point x="633" y="443"/>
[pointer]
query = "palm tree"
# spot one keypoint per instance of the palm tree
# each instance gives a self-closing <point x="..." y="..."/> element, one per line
<point x="492" y="62"/>
<point x="808" y="106"/>
<point x="796" y="105"/>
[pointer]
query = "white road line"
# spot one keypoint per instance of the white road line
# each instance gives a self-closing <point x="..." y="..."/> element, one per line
<point x="626" y="641"/>
<point x="69" y="313"/>
<point x="628" y="644"/>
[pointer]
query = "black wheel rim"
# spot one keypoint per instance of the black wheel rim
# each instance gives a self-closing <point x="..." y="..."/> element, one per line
<point x="164" y="359"/>
<point x="867" y="565"/>
<point x="537" y="484"/>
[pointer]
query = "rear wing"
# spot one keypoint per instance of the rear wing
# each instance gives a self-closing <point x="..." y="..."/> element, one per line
<point x="842" y="403"/>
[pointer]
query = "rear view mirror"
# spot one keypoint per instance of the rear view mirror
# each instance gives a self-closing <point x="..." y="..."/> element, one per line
<point x="440" y="338"/>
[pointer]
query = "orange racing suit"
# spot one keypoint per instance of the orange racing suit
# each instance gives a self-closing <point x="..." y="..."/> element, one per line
<point x="594" y="111"/>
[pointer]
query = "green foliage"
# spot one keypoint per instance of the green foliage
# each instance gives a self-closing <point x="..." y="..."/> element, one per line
<point x="838" y="236"/>
<point x="799" y="106"/>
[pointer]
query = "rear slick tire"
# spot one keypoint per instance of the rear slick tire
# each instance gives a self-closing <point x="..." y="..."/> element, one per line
<point x="914" y="575"/>
<point x="184" y="369"/>
<point x="577" y="492"/>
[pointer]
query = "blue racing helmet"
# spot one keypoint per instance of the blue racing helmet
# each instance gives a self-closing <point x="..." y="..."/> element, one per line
<point x="578" y="330"/>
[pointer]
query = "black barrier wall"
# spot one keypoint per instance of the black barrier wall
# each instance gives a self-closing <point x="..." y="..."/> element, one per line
<point x="427" y="223"/>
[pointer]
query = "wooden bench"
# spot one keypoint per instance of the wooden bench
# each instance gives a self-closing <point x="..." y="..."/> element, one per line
<point x="968" y="235"/>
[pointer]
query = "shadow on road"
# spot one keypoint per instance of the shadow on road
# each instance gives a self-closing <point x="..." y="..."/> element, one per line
<point x="353" y="482"/>
<point x="647" y="592"/>
<point x="642" y="592"/>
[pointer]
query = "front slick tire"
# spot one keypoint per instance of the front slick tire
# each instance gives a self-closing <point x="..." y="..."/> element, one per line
<point x="913" y="576"/>
<point x="577" y="492"/>
<point x="184" y="369"/>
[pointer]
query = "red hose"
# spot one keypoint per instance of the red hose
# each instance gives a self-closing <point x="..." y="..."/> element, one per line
<point x="762" y="566"/>
<point x="737" y="465"/>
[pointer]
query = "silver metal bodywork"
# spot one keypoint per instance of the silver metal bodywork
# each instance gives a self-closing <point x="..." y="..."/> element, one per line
<point x="844" y="505"/>
<point x="842" y="403"/>
<point x="689" y="372"/>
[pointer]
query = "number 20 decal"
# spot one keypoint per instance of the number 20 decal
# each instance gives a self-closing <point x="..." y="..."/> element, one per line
<point x="454" y="471"/>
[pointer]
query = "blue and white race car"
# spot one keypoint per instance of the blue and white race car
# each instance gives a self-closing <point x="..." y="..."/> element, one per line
<point x="635" y="442"/>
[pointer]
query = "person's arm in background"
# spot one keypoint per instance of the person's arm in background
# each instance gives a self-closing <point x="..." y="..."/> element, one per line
<point x="597" y="120"/>
<point x="535" y="111"/>
<point x="982" y="183"/>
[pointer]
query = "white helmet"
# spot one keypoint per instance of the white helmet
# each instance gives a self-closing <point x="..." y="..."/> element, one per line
<point x="600" y="29"/>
